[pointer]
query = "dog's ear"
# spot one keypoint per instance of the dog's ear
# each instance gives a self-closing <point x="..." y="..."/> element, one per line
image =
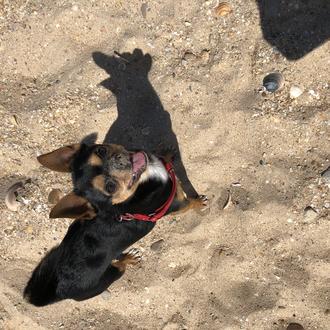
<point x="60" y="159"/>
<point x="73" y="206"/>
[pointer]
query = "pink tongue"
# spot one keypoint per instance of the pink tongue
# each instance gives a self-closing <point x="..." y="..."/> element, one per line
<point x="138" y="161"/>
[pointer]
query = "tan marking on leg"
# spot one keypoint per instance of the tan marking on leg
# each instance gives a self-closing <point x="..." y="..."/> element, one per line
<point x="180" y="194"/>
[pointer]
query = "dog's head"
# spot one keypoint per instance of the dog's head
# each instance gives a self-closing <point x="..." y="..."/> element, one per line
<point x="106" y="170"/>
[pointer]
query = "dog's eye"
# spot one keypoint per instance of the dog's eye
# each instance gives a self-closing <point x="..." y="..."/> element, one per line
<point x="101" y="152"/>
<point x="110" y="187"/>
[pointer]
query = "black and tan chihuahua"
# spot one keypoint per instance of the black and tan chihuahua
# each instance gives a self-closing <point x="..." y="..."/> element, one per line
<point x="118" y="196"/>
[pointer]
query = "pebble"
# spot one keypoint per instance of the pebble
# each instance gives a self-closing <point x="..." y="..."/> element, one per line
<point x="29" y="230"/>
<point x="156" y="246"/>
<point x="314" y="94"/>
<point x="144" y="8"/>
<point x="205" y="57"/>
<point x="309" y="214"/>
<point x="295" y="92"/>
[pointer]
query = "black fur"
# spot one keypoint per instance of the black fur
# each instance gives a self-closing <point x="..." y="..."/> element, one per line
<point x="80" y="267"/>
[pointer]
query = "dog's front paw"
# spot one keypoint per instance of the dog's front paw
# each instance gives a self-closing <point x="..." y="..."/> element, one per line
<point x="204" y="205"/>
<point x="204" y="200"/>
<point x="133" y="256"/>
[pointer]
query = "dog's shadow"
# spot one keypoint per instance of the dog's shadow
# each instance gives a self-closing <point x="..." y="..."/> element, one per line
<point x="142" y="122"/>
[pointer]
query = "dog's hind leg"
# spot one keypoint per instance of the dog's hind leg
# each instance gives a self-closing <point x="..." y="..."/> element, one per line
<point x="112" y="274"/>
<point x="182" y="203"/>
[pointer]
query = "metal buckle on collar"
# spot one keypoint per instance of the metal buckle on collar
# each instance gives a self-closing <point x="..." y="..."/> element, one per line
<point x="125" y="217"/>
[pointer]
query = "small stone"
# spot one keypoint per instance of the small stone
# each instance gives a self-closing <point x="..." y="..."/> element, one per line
<point x="29" y="230"/>
<point x="144" y="8"/>
<point x="294" y="326"/>
<point x="314" y="94"/>
<point x="156" y="246"/>
<point x="75" y="8"/>
<point x="106" y="295"/>
<point x="309" y="214"/>
<point x="205" y="56"/>
<point x="326" y="175"/>
<point x="54" y="196"/>
<point x="295" y="92"/>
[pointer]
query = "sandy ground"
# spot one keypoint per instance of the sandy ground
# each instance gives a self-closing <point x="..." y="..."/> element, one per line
<point x="260" y="263"/>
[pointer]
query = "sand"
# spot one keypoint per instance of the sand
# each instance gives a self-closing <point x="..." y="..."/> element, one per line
<point x="260" y="261"/>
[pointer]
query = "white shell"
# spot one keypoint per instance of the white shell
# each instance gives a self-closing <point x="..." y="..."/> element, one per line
<point x="295" y="92"/>
<point x="10" y="199"/>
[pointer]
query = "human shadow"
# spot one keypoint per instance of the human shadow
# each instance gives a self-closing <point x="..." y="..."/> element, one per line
<point x="295" y="27"/>
<point x="142" y="122"/>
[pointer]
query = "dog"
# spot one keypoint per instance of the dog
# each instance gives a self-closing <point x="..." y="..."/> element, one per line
<point x="118" y="196"/>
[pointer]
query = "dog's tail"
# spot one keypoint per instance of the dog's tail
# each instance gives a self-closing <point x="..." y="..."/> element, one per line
<point x="42" y="286"/>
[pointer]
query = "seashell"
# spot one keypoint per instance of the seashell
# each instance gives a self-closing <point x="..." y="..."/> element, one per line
<point x="326" y="175"/>
<point x="54" y="196"/>
<point x="310" y="213"/>
<point x="295" y="92"/>
<point x="273" y="82"/>
<point x="224" y="199"/>
<point x="11" y="196"/>
<point x="223" y="9"/>
<point x="294" y="326"/>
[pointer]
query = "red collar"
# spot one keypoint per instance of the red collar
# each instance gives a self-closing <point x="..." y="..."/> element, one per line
<point x="160" y="212"/>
